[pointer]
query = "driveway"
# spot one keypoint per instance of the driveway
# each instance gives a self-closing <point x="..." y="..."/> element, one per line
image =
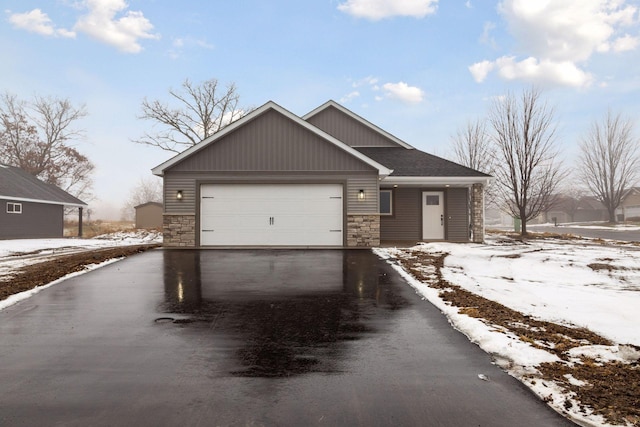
<point x="247" y="338"/>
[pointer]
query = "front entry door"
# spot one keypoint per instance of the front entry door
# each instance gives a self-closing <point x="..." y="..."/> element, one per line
<point x="433" y="215"/>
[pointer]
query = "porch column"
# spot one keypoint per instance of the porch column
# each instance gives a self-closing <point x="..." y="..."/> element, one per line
<point x="477" y="213"/>
<point x="80" y="222"/>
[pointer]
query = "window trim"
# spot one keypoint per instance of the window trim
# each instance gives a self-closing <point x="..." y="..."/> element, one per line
<point x="13" y="209"/>
<point x="391" y="199"/>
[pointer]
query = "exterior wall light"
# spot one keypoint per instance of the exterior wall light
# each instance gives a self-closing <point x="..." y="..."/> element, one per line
<point x="361" y="195"/>
<point x="179" y="195"/>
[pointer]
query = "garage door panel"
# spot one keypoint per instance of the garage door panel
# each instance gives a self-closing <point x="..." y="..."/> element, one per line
<point x="271" y="215"/>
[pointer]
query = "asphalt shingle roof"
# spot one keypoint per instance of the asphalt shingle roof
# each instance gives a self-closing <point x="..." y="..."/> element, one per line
<point x="18" y="184"/>
<point x="406" y="162"/>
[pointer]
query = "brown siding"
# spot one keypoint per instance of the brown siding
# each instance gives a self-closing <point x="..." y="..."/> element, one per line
<point x="370" y="186"/>
<point x="457" y="211"/>
<point x="187" y="182"/>
<point x="149" y="216"/>
<point x="37" y="220"/>
<point x="348" y="130"/>
<point x="271" y="142"/>
<point x="406" y="221"/>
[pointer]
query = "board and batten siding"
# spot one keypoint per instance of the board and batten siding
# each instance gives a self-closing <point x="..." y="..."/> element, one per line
<point x="457" y="212"/>
<point x="348" y="130"/>
<point x="188" y="182"/>
<point x="271" y="142"/>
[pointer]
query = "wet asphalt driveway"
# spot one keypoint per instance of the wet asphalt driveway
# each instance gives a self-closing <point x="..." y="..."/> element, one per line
<point x="241" y="338"/>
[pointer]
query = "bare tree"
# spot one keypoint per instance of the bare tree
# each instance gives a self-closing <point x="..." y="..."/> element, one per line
<point x="37" y="137"/>
<point x="610" y="160"/>
<point x="197" y="112"/>
<point x="527" y="168"/>
<point x="147" y="190"/>
<point x="473" y="148"/>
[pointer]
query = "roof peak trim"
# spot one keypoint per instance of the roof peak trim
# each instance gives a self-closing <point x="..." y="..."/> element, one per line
<point x="332" y="103"/>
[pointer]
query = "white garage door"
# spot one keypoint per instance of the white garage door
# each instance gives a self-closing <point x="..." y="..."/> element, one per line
<point x="271" y="215"/>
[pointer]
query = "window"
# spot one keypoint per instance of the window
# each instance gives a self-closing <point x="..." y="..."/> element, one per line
<point x="386" y="202"/>
<point x="433" y="200"/>
<point x="14" y="208"/>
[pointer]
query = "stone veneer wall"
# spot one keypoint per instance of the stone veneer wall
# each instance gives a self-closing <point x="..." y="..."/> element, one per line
<point x="179" y="230"/>
<point x="363" y="231"/>
<point x="477" y="213"/>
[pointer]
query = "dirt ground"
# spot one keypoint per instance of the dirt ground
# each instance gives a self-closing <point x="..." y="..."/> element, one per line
<point x="45" y="272"/>
<point x="611" y="389"/>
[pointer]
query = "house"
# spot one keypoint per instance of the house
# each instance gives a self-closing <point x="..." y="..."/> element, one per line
<point x="149" y="215"/>
<point x="30" y="208"/>
<point x="590" y="209"/>
<point x="629" y="209"/>
<point x="327" y="179"/>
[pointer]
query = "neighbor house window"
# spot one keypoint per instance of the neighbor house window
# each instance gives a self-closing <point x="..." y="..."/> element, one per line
<point x="14" y="208"/>
<point x="386" y="202"/>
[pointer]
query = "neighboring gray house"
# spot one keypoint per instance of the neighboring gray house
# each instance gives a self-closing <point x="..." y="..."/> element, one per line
<point x="629" y="209"/>
<point x="328" y="179"/>
<point x="149" y="215"/>
<point x="30" y="208"/>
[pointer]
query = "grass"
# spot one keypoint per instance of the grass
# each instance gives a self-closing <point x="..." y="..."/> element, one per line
<point x="96" y="228"/>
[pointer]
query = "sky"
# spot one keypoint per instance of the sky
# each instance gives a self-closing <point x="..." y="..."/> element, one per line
<point x="419" y="69"/>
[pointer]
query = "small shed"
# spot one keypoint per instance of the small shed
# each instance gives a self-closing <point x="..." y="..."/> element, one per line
<point x="32" y="209"/>
<point x="149" y="215"/>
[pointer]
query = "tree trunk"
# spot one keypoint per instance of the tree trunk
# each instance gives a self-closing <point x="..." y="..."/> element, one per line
<point x="612" y="216"/>
<point x="523" y="223"/>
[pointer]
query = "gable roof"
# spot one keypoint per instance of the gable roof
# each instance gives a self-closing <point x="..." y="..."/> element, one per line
<point x="356" y="117"/>
<point x="148" y="204"/>
<point x="159" y="170"/>
<point x="418" y="166"/>
<point x="16" y="184"/>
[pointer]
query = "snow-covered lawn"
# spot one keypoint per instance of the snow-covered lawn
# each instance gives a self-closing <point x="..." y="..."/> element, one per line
<point x="16" y="254"/>
<point x="574" y="283"/>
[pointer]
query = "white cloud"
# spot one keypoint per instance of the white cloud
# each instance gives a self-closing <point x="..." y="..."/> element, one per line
<point x="559" y="36"/>
<point x="101" y="22"/>
<point x="380" y="9"/>
<point x="403" y="92"/>
<point x="564" y="73"/>
<point x="350" y="96"/>
<point x="105" y="20"/>
<point x="38" y="22"/>
<point x="624" y="43"/>
<point x="486" y="34"/>
<point x="480" y="70"/>
<point x="468" y="4"/>
<point x="181" y="43"/>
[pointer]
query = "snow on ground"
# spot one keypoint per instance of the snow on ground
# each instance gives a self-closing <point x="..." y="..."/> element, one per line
<point x="591" y="286"/>
<point x="23" y="246"/>
<point x="564" y="282"/>
<point x="18" y="253"/>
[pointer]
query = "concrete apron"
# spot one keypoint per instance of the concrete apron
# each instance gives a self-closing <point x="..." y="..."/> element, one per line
<point x="247" y="338"/>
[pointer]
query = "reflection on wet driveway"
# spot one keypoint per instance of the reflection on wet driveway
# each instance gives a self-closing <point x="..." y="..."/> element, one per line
<point x="260" y="338"/>
<point x="277" y="313"/>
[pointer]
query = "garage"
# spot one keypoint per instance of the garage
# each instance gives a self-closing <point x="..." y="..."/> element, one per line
<point x="271" y="215"/>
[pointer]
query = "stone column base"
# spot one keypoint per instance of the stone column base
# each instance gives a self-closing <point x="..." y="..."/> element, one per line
<point x="477" y="213"/>
<point x="179" y="231"/>
<point x="363" y="231"/>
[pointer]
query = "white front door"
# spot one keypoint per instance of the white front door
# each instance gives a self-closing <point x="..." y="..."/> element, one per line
<point x="271" y="215"/>
<point x="433" y="215"/>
